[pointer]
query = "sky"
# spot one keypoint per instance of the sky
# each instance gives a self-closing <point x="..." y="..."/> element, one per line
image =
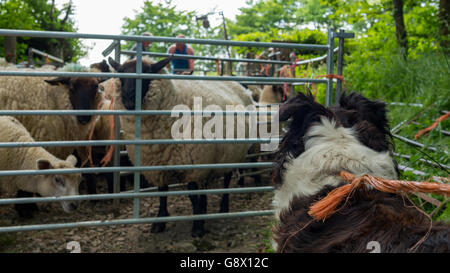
<point x="106" y="17"/>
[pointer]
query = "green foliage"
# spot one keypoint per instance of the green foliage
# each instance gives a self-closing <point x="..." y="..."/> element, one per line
<point x="445" y="215"/>
<point x="304" y="36"/>
<point x="41" y="15"/>
<point x="317" y="12"/>
<point x="162" y="19"/>
<point x="265" y="15"/>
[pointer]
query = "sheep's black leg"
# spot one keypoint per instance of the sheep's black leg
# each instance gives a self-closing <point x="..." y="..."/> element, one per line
<point x="90" y="183"/>
<point x="256" y="177"/>
<point x="144" y="183"/>
<point x="25" y="210"/>
<point x="241" y="179"/>
<point x="199" y="225"/>
<point x="198" y="207"/>
<point x="224" y="204"/>
<point x="160" y="227"/>
<point x="110" y="180"/>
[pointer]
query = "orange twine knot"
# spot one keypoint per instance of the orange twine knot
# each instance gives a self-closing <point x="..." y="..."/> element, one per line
<point x="107" y="158"/>
<point x="218" y="66"/>
<point x="285" y="72"/>
<point x="328" y="76"/>
<point x="324" y="208"/>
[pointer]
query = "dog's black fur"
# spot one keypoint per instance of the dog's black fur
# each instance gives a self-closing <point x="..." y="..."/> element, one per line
<point x="367" y="215"/>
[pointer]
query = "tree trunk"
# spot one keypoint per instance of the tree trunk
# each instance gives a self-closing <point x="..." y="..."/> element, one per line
<point x="444" y="16"/>
<point x="400" y="30"/>
<point x="10" y="49"/>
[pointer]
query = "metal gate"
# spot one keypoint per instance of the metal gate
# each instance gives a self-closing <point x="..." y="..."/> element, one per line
<point x="136" y="195"/>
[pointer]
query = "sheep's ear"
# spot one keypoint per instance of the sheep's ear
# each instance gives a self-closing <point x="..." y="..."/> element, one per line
<point x="114" y="64"/>
<point x="43" y="164"/>
<point x="102" y="66"/>
<point x="155" y="68"/>
<point x="58" y="81"/>
<point x="72" y="160"/>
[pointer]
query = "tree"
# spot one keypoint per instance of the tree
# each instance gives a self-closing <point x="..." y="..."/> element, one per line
<point x="265" y="15"/>
<point x="41" y="15"/>
<point x="400" y="30"/>
<point x="444" y="16"/>
<point x="317" y="12"/>
<point x="162" y="19"/>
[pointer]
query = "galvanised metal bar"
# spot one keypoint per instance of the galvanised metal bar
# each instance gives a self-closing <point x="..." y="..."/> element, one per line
<point x="132" y="142"/>
<point x="130" y="112"/>
<point x="141" y="168"/>
<point x="256" y="172"/>
<point x="265" y="83"/>
<point x="35" y="51"/>
<point x="405" y="104"/>
<point x="195" y="57"/>
<point x="137" y="195"/>
<point x="415" y="143"/>
<point x="340" y="60"/>
<point x="116" y="159"/>
<point x="210" y="216"/>
<point x="317" y="59"/>
<point x="330" y="65"/>
<point x="137" y="130"/>
<point x="156" y="76"/>
<point x="259" y="154"/>
<point x="416" y="172"/>
<point x="110" y="48"/>
<point x="141" y="38"/>
<point x="424" y="160"/>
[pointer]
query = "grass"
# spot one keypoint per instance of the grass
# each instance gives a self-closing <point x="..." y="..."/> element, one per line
<point x="423" y="80"/>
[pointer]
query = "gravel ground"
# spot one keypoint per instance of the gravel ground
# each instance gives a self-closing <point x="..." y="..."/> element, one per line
<point x="248" y="235"/>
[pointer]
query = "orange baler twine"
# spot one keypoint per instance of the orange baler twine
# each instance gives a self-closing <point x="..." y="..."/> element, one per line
<point x="434" y="125"/>
<point x="324" y="208"/>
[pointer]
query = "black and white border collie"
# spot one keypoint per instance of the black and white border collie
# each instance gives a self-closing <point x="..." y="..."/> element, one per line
<point x="321" y="142"/>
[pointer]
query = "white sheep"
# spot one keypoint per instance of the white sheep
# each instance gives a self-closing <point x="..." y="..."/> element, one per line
<point x="165" y="94"/>
<point x="43" y="93"/>
<point x="32" y="158"/>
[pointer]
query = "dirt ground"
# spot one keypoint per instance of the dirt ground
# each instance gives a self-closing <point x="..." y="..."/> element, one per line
<point x="232" y="235"/>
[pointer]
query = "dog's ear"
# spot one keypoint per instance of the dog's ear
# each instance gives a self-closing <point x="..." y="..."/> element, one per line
<point x="372" y="111"/>
<point x="295" y="106"/>
<point x="302" y="107"/>
<point x="368" y="118"/>
<point x="58" y="81"/>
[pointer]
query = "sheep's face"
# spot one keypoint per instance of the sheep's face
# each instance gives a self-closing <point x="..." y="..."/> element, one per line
<point x="82" y="94"/>
<point x="59" y="184"/>
<point x="128" y="93"/>
<point x="278" y="90"/>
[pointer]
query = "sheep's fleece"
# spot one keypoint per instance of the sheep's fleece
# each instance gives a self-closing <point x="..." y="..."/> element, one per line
<point x="33" y="93"/>
<point x="27" y="158"/>
<point x="164" y="95"/>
